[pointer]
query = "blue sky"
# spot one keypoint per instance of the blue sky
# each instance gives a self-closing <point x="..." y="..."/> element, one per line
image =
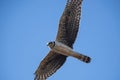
<point x="27" y="25"/>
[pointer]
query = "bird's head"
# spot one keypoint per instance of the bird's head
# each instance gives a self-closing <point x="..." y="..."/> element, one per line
<point x="51" y="44"/>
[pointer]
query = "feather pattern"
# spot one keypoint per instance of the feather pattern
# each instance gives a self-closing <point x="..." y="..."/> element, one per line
<point x="49" y="65"/>
<point x="69" y="23"/>
<point x="67" y="32"/>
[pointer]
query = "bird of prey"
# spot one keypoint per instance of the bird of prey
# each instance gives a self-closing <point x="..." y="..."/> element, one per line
<point x="62" y="47"/>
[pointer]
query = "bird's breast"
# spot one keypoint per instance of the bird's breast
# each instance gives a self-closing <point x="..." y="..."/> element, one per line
<point x="62" y="49"/>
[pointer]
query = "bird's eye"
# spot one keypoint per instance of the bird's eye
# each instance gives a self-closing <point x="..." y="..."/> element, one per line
<point x="50" y="43"/>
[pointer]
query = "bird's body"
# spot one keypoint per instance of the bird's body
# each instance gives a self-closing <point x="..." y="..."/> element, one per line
<point x="62" y="47"/>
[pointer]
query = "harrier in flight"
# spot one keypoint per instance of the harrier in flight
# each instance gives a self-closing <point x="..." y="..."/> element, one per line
<point x="62" y="47"/>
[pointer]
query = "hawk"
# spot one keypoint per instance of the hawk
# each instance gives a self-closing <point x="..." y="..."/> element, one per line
<point x="62" y="47"/>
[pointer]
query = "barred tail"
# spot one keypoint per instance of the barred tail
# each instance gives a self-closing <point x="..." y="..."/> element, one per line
<point x="85" y="58"/>
<point x="82" y="57"/>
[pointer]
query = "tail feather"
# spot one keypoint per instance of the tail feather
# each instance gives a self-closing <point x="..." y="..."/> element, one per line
<point x="82" y="57"/>
<point x="85" y="59"/>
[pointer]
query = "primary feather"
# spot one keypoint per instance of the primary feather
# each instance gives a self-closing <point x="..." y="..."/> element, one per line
<point x="67" y="32"/>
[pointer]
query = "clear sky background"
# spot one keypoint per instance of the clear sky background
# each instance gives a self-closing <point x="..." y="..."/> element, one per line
<point x="27" y="25"/>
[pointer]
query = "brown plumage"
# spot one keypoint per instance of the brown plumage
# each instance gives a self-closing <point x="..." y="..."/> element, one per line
<point x="49" y="65"/>
<point x="67" y="32"/>
<point x="69" y="23"/>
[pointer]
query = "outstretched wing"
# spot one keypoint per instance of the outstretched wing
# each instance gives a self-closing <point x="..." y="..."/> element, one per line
<point x="69" y="23"/>
<point x="68" y="28"/>
<point x="52" y="62"/>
